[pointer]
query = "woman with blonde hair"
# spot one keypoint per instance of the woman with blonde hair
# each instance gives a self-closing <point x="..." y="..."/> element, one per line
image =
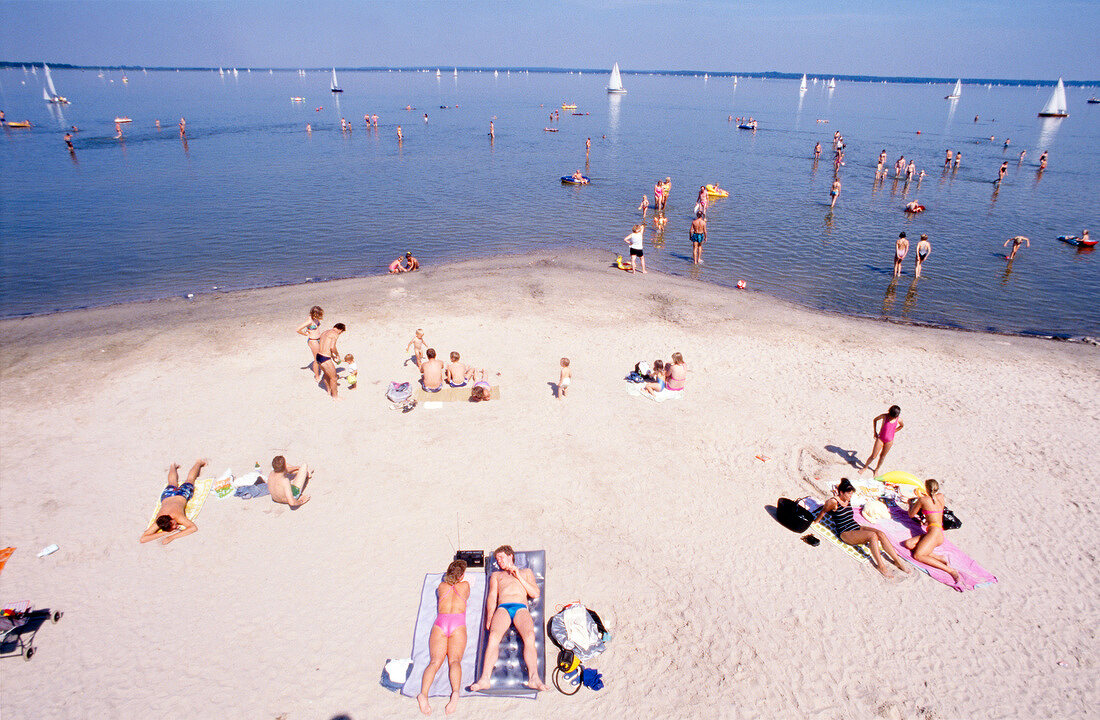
<point x="312" y="332"/>
<point x="931" y="506"/>
<point x="675" y="373"/>
<point x="448" y="637"/>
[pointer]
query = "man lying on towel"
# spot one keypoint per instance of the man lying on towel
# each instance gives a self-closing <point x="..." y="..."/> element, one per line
<point x="172" y="517"/>
<point x="505" y="606"/>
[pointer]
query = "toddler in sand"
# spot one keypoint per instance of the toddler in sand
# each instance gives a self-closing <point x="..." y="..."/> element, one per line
<point x="565" y="378"/>
<point x="417" y="345"/>
<point x="352" y="371"/>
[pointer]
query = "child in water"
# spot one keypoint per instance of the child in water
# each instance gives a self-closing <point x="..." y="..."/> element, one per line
<point x="644" y="206"/>
<point x="352" y="371"/>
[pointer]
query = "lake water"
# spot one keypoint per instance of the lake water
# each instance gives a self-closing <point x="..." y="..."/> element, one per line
<point x="251" y="199"/>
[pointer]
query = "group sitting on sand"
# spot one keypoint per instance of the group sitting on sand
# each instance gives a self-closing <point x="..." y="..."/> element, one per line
<point x="661" y="375"/>
<point x="510" y="588"/>
<point x="433" y="373"/>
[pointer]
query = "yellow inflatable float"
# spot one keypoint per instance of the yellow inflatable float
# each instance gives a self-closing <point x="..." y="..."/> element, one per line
<point x="715" y="191"/>
<point x="906" y="483"/>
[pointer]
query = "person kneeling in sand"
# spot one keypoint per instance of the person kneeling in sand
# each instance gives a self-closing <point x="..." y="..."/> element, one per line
<point x="839" y="509"/>
<point x="506" y="605"/>
<point x="280" y="487"/>
<point x="447" y="640"/>
<point x="172" y="516"/>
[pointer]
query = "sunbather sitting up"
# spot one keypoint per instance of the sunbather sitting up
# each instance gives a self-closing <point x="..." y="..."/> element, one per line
<point x="839" y="509"/>
<point x="280" y="487"/>
<point x="506" y="605"/>
<point x="173" y="501"/>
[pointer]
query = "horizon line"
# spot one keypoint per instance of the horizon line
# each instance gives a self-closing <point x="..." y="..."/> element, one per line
<point x="766" y="74"/>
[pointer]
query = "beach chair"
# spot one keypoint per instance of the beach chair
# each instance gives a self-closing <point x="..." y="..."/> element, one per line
<point x="19" y="623"/>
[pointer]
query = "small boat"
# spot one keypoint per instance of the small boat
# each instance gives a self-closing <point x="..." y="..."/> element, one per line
<point x="716" y="192"/>
<point x="437" y="73"/>
<point x="747" y="126"/>
<point x="50" y="95"/>
<point x="1076" y="241"/>
<point x="125" y="79"/>
<point x="615" y="82"/>
<point x="1094" y="100"/>
<point x="18" y="124"/>
<point x="956" y="93"/>
<point x="831" y="84"/>
<point x="335" y="86"/>
<point x="549" y="129"/>
<point x="123" y="120"/>
<point x="297" y="99"/>
<point x="455" y="72"/>
<point x="803" y="87"/>
<point x="570" y="180"/>
<point x="1056" y="105"/>
<point x="565" y="106"/>
<point x="221" y="71"/>
<point x="582" y="114"/>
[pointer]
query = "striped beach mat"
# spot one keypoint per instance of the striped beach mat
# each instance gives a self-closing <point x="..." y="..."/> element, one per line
<point x="828" y="531"/>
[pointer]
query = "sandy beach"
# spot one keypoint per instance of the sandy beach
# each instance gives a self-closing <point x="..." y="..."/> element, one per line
<point x="654" y="514"/>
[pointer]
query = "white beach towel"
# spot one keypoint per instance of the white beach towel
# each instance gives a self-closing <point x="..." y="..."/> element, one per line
<point x="635" y="389"/>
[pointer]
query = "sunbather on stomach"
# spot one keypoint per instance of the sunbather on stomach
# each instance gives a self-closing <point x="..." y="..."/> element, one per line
<point x="506" y="605"/>
<point x="448" y="636"/>
<point x="839" y="509"/>
<point x="172" y="515"/>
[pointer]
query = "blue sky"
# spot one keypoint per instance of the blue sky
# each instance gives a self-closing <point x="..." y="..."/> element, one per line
<point x="1029" y="39"/>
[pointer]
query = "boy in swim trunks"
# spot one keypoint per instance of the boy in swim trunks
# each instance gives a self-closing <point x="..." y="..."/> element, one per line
<point x="171" y="517"/>
<point x="1016" y="243"/>
<point x="505" y="606"/>
<point x="456" y="372"/>
<point x="326" y="351"/>
<point x="698" y="235"/>
<point x="278" y="482"/>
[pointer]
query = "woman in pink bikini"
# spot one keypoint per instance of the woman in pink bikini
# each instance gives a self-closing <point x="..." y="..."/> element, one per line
<point x="448" y="636"/>
<point x="931" y="506"/>
<point x="884" y="436"/>
<point x="676" y="373"/>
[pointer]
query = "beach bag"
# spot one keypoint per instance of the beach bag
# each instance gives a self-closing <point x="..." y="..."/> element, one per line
<point x="792" y="515"/>
<point x="399" y="392"/>
<point x="950" y="520"/>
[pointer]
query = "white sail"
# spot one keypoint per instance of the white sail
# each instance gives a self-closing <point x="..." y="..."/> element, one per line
<point x="437" y="73"/>
<point x="49" y="80"/>
<point x="956" y="93"/>
<point x="46" y="96"/>
<point x="831" y="84"/>
<point x="455" y="72"/>
<point x="1056" y="105"/>
<point x="335" y="85"/>
<point x="802" y="87"/>
<point x="615" y="82"/>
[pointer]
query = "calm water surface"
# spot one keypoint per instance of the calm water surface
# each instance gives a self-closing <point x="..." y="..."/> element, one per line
<point x="252" y="200"/>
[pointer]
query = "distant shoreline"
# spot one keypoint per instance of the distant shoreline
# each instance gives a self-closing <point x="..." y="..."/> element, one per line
<point x="754" y="74"/>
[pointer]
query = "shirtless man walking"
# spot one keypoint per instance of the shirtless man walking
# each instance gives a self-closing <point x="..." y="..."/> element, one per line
<point x="325" y="354"/>
<point x="698" y="236"/>
<point x="171" y="517"/>
<point x="280" y="487"/>
<point x="506" y="605"/>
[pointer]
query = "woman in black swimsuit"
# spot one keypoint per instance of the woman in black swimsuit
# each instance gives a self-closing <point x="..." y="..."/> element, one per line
<point x="839" y="509"/>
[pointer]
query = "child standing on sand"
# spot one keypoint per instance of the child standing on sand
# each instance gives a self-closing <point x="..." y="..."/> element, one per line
<point x="564" y="378"/>
<point x="884" y="436"/>
<point x="352" y="375"/>
<point x="418" y="345"/>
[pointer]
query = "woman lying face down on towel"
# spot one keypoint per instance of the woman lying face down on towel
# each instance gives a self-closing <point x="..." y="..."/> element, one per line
<point x="931" y="506"/>
<point x="839" y="509"/>
<point x="448" y="636"/>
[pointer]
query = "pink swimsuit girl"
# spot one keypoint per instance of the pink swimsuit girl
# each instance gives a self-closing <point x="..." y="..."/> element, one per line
<point x="886" y="433"/>
<point x="449" y="622"/>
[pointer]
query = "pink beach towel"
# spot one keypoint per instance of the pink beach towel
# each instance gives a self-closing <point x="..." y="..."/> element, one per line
<point x="899" y="527"/>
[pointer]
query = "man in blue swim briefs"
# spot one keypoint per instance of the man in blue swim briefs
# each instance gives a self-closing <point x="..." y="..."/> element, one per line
<point x="431" y="372"/>
<point x="325" y="354"/>
<point x="698" y="235"/>
<point x="506" y="605"/>
<point x="172" y="517"/>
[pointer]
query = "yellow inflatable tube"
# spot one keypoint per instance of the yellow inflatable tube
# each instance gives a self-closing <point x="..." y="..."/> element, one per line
<point x="716" y="193"/>
<point x="902" y="479"/>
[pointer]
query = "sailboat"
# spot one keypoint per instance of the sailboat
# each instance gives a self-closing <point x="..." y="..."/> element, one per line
<point x="456" y="72"/>
<point x="615" y="82"/>
<point x="221" y="71"/>
<point x="50" y="94"/>
<point x="335" y="86"/>
<point x="437" y="73"/>
<point x="957" y="92"/>
<point x="802" y="87"/>
<point x="831" y="84"/>
<point x="1056" y="105"/>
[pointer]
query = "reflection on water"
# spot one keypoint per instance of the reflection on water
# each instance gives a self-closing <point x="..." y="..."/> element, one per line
<point x="614" y="101"/>
<point x="910" y="298"/>
<point x="890" y="296"/>
<point x="1048" y="128"/>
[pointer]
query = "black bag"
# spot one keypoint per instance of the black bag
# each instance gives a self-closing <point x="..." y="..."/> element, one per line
<point x="792" y="515"/>
<point x="950" y="522"/>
